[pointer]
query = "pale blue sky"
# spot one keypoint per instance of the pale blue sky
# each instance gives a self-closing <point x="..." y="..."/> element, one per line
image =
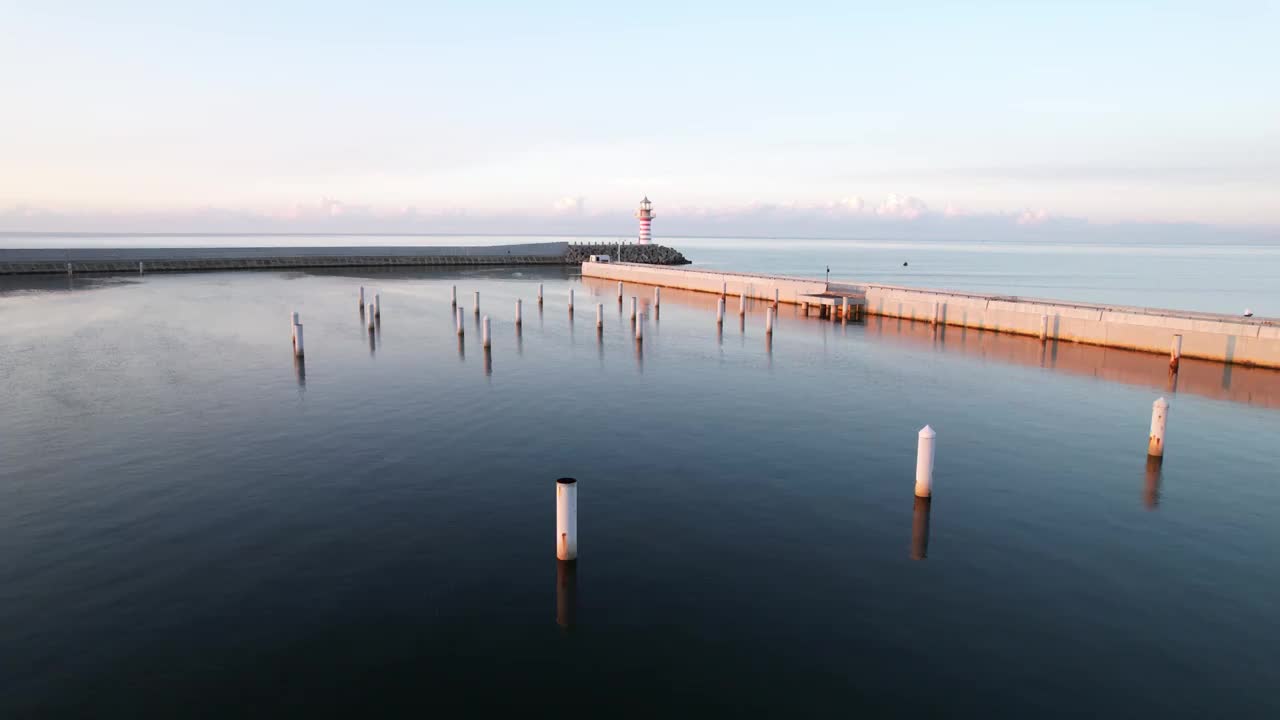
<point x="1107" y="111"/>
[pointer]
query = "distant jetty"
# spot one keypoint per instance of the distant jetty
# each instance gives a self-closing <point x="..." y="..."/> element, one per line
<point x="194" y="259"/>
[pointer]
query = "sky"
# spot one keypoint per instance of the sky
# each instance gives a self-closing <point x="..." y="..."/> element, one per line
<point x="734" y="118"/>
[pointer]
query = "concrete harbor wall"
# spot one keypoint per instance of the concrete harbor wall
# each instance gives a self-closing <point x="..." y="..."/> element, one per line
<point x="84" y="260"/>
<point x="1224" y="338"/>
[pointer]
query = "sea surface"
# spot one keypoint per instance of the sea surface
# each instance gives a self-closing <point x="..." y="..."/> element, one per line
<point x="195" y="523"/>
<point x="1223" y="277"/>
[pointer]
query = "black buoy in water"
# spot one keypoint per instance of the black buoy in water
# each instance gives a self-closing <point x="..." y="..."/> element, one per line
<point x="904" y="264"/>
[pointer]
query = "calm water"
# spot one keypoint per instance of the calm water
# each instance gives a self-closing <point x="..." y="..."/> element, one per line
<point x="1207" y="277"/>
<point x="191" y="523"/>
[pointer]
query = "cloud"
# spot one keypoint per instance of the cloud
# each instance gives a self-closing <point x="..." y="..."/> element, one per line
<point x="571" y="204"/>
<point x="1033" y="217"/>
<point x="897" y="206"/>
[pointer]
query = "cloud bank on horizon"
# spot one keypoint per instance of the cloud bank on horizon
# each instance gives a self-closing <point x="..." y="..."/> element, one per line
<point x="937" y="119"/>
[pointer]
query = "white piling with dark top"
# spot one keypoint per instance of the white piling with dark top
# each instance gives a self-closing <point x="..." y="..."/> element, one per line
<point x="768" y="321"/>
<point x="377" y="304"/>
<point x="924" y="462"/>
<point x="633" y="307"/>
<point x="362" y="297"/>
<point x="519" y="312"/>
<point x="458" y="313"/>
<point x="567" y="519"/>
<point x="1044" y="328"/>
<point x="1175" y="352"/>
<point x="297" y="340"/>
<point x="1159" y="415"/>
<point x="599" y="315"/>
<point x="453" y="296"/>
<point x="570" y="299"/>
<point x="475" y="301"/>
<point x="720" y="311"/>
<point x="539" y="293"/>
<point x="293" y="327"/>
<point x="657" y="297"/>
<point x="619" y="291"/>
<point x="484" y="332"/>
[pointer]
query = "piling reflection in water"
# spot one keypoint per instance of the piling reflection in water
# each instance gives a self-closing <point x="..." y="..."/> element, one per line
<point x="300" y="370"/>
<point x="920" y="528"/>
<point x="462" y="348"/>
<point x="373" y="343"/>
<point x="1151" y="491"/>
<point x="566" y="592"/>
<point x="488" y="362"/>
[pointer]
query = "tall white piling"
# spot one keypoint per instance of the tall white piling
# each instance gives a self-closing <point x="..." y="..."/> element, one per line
<point x="567" y="519"/>
<point x="633" y="307"/>
<point x="720" y="311"/>
<point x="570" y="299"/>
<point x="453" y="296"/>
<point x="519" y="312"/>
<point x="768" y="321"/>
<point x="619" y="291"/>
<point x="657" y="297"/>
<point x="361" y="297"/>
<point x="1175" y="352"/>
<point x="539" y="293"/>
<point x="1159" y="414"/>
<point x="293" y="326"/>
<point x="484" y="332"/>
<point x="599" y="315"/>
<point x="377" y="304"/>
<point x="475" y="301"/>
<point x="458" y="321"/>
<point x="372" y="322"/>
<point x="924" y="462"/>
<point x="297" y="339"/>
<point x="1044" y="328"/>
<point x="742" y="303"/>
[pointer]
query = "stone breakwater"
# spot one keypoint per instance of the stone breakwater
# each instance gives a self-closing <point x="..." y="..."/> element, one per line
<point x="642" y="254"/>
<point x="116" y="260"/>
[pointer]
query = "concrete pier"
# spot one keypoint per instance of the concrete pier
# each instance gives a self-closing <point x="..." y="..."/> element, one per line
<point x="1251" y="341"/>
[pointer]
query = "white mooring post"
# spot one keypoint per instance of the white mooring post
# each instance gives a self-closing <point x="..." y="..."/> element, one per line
<point x="453" y="296"/>
<point x="720" y="311"/>
<point x="567" y="519"/>
<point x="619" y="291"/>
<point x="475" y="300"/>
<point x="570" y="299"/>
<point x="1044" y="328"/>
<point x="372" y="322"/>
<point x="459" y="321"/>
<point x="599" y="315"/>
<point x="539" y="294"/>
<point x="742" y="303"/>
<point x="362" y="297"/>
<point x="1175" y="352"/>
<point x="657" y="297"/>
<point x="1159" y="414"/>
<point x="484" y="332"/>
<point x="293" y="326"/>
<point x="639" y="328"/>
<point x="633" y="307"/>
<point x="768" y="321"/>
<point x="519" y="313"/>
<point x="924" y="462"/>
<point x="377" y="304"/>
<point x="297" y="339"/>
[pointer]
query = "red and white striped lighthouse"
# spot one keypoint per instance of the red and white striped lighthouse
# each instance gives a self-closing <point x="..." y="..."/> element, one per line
<point x="645" y="213"/>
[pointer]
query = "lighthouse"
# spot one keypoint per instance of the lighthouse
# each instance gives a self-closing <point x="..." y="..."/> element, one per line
<point x="645" y="213"/>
